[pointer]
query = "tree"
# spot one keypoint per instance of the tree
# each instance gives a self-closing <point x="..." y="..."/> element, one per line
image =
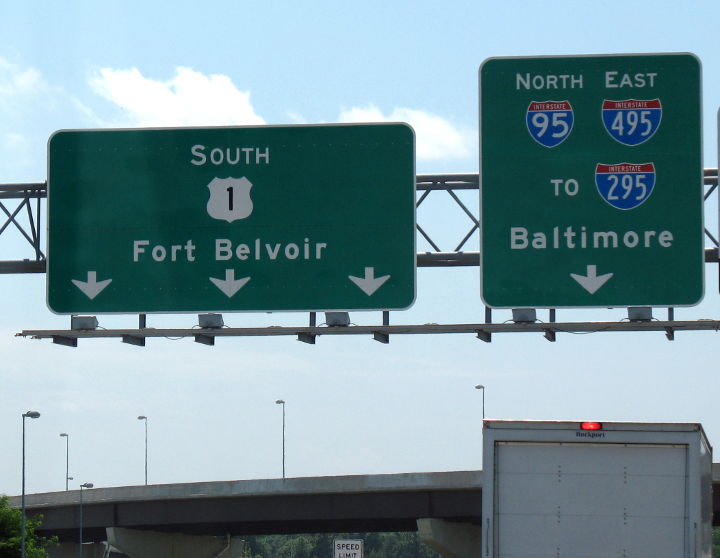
<point x="10" y="527"/>
<point x="320" y="545"/>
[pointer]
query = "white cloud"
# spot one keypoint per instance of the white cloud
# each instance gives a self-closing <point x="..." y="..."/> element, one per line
<point x="17" y="83"/>
<point x="190" y="98"/>
<point x="296" y="117"/>
<point x="436" y="138"/>
<point x="12" y="140"/>
<point x="27" y="106"/>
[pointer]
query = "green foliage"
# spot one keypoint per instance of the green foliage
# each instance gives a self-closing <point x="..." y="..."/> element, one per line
<point x="10" y="528"/>
<point x="716" y="542"/>
<point x="376" y="545"/>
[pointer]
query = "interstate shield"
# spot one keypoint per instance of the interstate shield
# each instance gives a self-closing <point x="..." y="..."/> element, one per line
<point x="625" y="185"/>
<point x="632" y="121"/>
<point x="550" y="122"/>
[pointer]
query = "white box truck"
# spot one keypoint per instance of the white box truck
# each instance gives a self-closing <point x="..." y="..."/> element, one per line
<point x="596" y="490"/>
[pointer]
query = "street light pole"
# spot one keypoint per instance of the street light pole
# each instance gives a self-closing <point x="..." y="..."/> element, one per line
<point x="482" y="387"/>
<point x="143" y="417"/>
<point x="83" y="485"/>
<point x="67" y="458"/>
<point x="33" y="415"/>
<point x="282" y="402"/>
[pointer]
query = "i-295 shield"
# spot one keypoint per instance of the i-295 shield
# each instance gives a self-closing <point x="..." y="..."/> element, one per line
<point x="632" y="121"/>
<point x="550" y="122"/>
<point x="625" y="185"/>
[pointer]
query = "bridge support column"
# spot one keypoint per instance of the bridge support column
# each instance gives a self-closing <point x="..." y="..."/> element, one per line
<point x="151" y="544"/>
<point x="451" y="540"/>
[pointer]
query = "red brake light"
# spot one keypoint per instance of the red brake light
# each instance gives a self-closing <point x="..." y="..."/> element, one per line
<point x="591" y="425"/>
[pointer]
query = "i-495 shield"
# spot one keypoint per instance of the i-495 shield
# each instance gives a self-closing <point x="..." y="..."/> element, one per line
<point x="632" y="121"/>
<point x="550" y="122"/>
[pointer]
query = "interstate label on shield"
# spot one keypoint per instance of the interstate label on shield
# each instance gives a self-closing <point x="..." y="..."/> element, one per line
<point x="632" y="121"/>
<point x="625" y="185"/>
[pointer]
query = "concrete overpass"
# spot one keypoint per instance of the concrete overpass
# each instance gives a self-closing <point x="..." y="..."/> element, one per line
<point x="357" y="503"/>
<point x="445" y="507"/>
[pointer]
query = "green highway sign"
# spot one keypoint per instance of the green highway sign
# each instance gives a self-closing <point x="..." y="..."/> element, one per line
<point x="591" y="181"/>
<point x="231" y="219"/>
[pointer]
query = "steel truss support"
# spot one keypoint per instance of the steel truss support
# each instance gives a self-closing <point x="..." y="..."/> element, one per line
<point x="23" y="195"/>
<point x="453" y="183"/>
<point x="426" y="184"/>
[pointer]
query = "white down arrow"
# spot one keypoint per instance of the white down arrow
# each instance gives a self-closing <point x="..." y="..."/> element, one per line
<point x="369" y="284"/>
<point x="592" y="281"/>
<point x="92" y="287"/>
<point x="229" y="285"/>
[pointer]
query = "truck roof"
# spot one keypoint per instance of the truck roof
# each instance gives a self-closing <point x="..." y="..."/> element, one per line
<point x="605" y="425"/>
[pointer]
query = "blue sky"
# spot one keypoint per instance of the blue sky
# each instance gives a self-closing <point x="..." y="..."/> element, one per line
<point x="353" y="405"/>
